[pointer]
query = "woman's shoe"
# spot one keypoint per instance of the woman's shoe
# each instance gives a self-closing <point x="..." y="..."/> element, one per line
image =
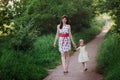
<point x="65" y="71"/>
<point x="85" y="69"/>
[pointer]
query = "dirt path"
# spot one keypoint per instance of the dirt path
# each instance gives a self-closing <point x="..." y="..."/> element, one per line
<point x="75" y="69"/>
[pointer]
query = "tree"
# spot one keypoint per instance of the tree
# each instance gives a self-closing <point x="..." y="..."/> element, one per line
<point x="113" y="8"/>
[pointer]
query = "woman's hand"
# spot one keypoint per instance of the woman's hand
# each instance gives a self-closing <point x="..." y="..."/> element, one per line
<point x="74" y="45"/>
<point x="54" y="45"/>
<point x="77" y="49"/>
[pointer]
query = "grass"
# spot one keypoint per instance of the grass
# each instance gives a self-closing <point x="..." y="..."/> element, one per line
<point x="19" y="66"/>
<point x="44" y="52"/>
<point x="108" y="58"/>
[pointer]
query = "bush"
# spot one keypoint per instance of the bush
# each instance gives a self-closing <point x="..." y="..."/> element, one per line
<point x="40" y="17"/>
<point x="108" y="58"/>
<point x="19" y="66"/>
<point x="114" y="73"/>
<point x="24" y="37"/>
<point x="44" y="52"/>
<point x="89" y="33"/>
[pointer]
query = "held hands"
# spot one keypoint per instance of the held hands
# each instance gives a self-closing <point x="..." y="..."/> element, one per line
<point x="74" y="45"/>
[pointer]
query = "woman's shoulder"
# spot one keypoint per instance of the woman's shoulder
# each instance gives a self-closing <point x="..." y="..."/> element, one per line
<point x="58" y="25"/>
<point x="68" y="25"/>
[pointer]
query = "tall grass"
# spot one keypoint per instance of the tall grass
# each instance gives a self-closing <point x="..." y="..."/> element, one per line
<point x="19" y="66"/>
<point x="108" y="58"/>
<point x="44" y="52"/>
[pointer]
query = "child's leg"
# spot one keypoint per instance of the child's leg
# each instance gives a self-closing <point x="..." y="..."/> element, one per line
<point x="83" y="64"/>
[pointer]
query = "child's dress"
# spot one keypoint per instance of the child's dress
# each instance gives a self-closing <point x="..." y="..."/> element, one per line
<point x="83" y="55"/>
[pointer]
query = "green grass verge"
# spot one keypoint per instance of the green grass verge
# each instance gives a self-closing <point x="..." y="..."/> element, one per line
<point x="108" y="57"/>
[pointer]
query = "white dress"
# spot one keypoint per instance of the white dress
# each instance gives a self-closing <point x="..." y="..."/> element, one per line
<point x="64" y="42"/>
<point x="83" y="55"/>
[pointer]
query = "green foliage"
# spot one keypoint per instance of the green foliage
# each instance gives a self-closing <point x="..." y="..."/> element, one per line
<point x="83" y="16"/>
<point x="7" y="12"/>
<point x="32" y="64"/>
<point x="113" y="8"/>
<point x="4" y="20"/>
<point x="44" y="52"/>
<point x="17" y="66"/>
<point x="29" y="52"/>
<point x="24" y="38"/>
<point x="45" y="15"/>
<point x="108" y="58"/>
<point x="89" y="33"/>
<point x="113" y="74"/>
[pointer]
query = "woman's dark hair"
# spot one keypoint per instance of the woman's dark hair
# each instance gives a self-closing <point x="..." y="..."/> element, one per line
<point x="61" y="23"/>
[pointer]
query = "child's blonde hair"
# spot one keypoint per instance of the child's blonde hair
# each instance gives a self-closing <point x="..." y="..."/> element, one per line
<point x="81" y="40"/>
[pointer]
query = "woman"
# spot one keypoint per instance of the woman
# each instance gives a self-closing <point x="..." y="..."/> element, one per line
<point x="64" y="38"/>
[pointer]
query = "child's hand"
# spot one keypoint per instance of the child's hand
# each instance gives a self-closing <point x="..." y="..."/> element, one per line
<point x="76" y="49"/>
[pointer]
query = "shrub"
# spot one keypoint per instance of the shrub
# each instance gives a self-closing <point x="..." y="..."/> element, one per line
<point x="108" y="58"/>
<point x="19" y="66"/>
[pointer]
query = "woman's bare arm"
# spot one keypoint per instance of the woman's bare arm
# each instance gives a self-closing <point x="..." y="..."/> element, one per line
<point x="56" y="37"/>
<point x="71" y="38"/>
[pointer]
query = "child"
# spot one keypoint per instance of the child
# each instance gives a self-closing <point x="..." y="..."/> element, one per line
<point x="83" y="55"/>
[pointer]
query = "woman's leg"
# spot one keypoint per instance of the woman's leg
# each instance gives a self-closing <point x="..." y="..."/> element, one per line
<point x="67" y="57"/>
<point x="63" y="61"/>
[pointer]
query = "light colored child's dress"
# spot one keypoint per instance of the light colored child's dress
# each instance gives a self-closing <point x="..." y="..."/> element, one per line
<point x="83" y="55"/>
